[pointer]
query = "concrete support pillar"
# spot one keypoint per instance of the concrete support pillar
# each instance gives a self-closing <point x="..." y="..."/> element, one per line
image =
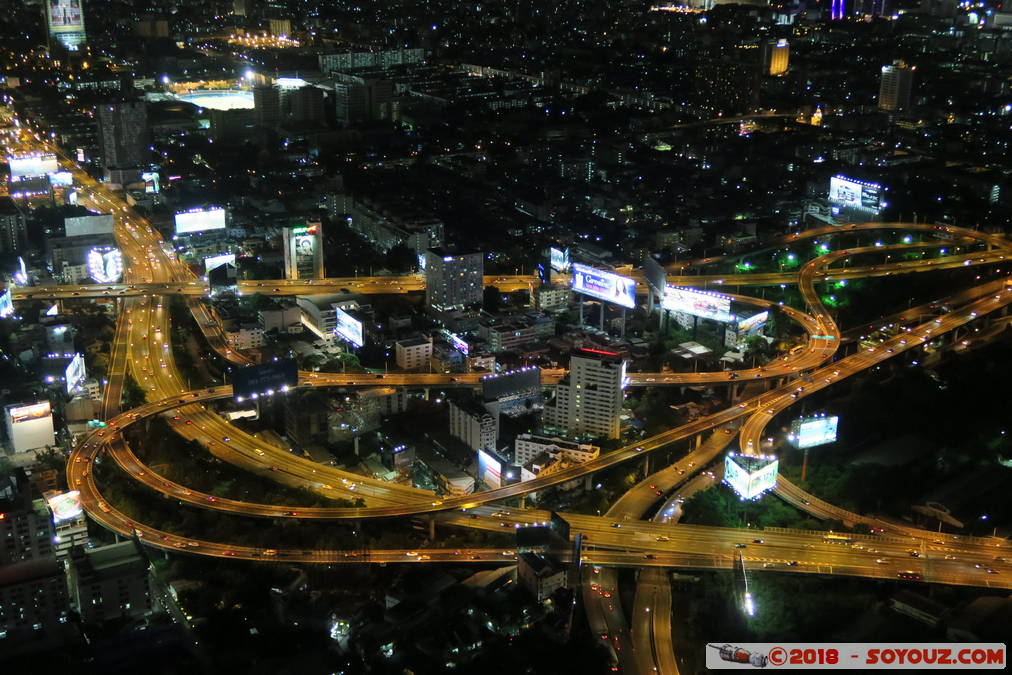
<point x="588" y="481"/>
<point x="432" y="527"/>
<point x="523" y="501"/>
<point x="699" y="441"/>
<point x="426" y="394"/>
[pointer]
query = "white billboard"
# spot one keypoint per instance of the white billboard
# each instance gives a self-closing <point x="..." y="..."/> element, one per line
<point x="65" y="506"/>
<point x="698" y="303"/>
<point x="75" y="373"/>
<point x="855" y="194"/>
<point x="81" y="226"/>
<point x="558" y="259"/>
<point x="606" y="286"/>
<point x="27" y="166"/>
<point x="61" y="179"/>
<point x="152" y="182"/>
<point x="813" y="431"/>
<point x="200" y="220"/>
<point x="6" y="305"/>
<point x="30" y="426"/>
<point x="489" y="470"/>
<point x="750" y="476"/>
<point x="215" y="261"/>
<point x="105" y="264"/>
<point x="348" y="327"/>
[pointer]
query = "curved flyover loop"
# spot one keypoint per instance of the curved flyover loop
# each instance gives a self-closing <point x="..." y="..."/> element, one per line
<point x="611" y="459"/>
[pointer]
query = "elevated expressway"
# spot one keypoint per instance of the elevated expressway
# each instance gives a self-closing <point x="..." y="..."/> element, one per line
<point x="685" y="546"/>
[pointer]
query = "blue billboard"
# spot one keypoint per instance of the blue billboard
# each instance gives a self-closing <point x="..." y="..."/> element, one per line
<point x="606" y="286"/>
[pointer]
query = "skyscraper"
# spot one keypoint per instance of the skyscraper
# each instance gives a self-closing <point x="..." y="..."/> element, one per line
<point x="725" y="87"/>
<point x="588" y="401"/>
<point x="12" y="227"/>
<point x="123" y="138"/>
<point x="453" y="280"/>
<point x="894" y="89"/>
<point x="776" y="56"/>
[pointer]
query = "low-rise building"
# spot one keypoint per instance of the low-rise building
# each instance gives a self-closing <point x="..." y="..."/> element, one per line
<point x="515" y="331"/>
<point x="541" y="575"/>
<point x="413" y="353"/>
<point x="529" y="446"/>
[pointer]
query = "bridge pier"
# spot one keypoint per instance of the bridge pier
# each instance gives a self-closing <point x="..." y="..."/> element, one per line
<point x="426" y="394"/>
<point x="432" y="527"/>
<point x="699" y="441"/>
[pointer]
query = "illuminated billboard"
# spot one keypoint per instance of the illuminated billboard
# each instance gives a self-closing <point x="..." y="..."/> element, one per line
<point x="27" y="166"/>
<point x="6" y="305"/>
<point x="490" y="470"/>
<point x="855" y="194"/>
<point x="75" y="373"/>
<point x="30" y="426"/>
<point x="348" y="327"/>
<point x="558" y="259"/>
<point x="152" y="183"/>
<point x="65" y="506"/>
<point x="459" y="343"/>
<point x="697" y="303"/>
<point x="606" y="286"/>
<point x="105" y="264"/>
<point x="750" y="475"/>
<point x="80" y="226"/>
<point x="215" y="261"/>
<point x="304" y="251"/>
<point x="200" y="220"/>
<point x="61" y="179"/>
<point x="754" y="324"/>
<point x="812" y="431"/>
<point x="265" y="379"/>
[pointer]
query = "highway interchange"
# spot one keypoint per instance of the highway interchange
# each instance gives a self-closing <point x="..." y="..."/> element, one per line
<point x="141" y="348"/>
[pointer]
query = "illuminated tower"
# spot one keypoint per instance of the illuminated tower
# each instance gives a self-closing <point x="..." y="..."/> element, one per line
<point x="776" y="54"/>
<point x="894" y="90"/>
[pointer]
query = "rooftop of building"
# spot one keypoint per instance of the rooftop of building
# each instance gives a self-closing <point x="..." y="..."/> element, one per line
<point x="542" y="566"/>
<point x="30" y="570"/>
<point x="416" y="341"/>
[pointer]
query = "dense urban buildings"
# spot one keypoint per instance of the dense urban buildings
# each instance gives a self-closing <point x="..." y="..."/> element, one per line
<point x="499" y="338"/>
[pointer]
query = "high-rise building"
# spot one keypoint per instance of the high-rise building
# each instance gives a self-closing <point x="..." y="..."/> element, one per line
<point x="26" y="527"/>
<point x="306" y="105"/>
<point x="725" y="87"/>
<point x="267" y="104"/>
<point x="123" y="138"/>
<point x="588" y="401"/>
<point x="34" y="610"/>
<point x="110" y="582"/>
<point x="13" y="235"/>
<point x="474" y="424"/>
<point x="776" y="56"/>
<point x="358" y="100"/>
<point x="65" y="22"/>
<point x="896" y="85"/>
<point x="304" y="251"/>
<point x="453" y="280"/>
